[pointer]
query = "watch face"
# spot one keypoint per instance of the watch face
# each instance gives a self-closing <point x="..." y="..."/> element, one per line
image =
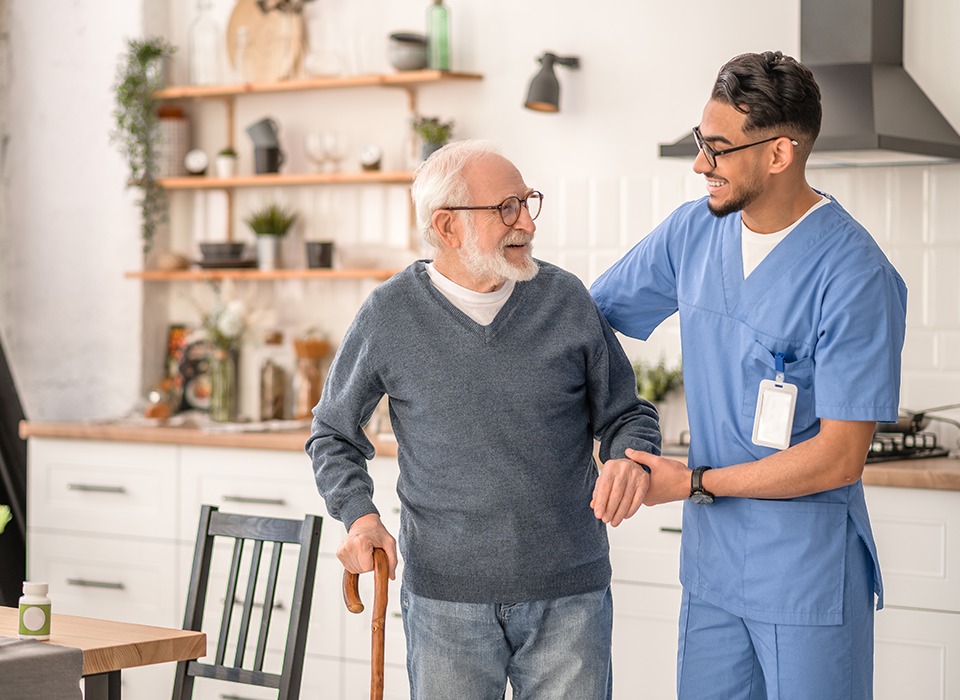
<point x="701" y="497"/>
<point x="196" y="162"/>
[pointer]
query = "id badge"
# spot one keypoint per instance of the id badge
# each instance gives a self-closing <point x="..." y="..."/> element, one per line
<point x="773" y="423"/>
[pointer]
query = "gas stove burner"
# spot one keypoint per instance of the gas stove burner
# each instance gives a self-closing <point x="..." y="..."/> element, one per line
<point x="888" y="447"/>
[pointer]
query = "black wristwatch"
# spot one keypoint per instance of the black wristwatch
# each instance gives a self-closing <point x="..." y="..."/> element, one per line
<point x="698" y="494"/>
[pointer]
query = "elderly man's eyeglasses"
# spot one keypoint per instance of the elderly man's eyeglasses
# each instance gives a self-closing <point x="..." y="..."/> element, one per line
<point x="510" y="207"/>
<point x="711" y="155"/>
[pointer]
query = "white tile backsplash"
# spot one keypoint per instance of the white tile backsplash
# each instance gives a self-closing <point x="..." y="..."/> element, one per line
<point x="913" y="212"/>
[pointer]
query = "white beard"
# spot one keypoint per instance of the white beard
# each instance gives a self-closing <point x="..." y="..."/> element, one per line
<point x="495" y="265"/>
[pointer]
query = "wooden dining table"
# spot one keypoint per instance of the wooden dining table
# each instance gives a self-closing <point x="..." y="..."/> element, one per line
<point x="109" y="647"/>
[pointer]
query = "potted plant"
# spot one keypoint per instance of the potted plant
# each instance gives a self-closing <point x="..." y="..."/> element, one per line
<point x="270" y="223"/>
<point x="139" y="75"/>
<point x="226" y="162"/>
<point x="655" y="382"/>
<point x="433" y="132"/>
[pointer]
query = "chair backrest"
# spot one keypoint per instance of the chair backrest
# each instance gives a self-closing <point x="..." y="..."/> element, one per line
<point x="255" y="531"/>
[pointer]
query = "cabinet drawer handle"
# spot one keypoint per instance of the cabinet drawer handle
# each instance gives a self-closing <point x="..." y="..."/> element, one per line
<point x="98" y="489"/>
<point x="234" y="697"/>
<point x="675" y="530"/>
<point x="95" y="584"/>
<point x="262" y="501"/>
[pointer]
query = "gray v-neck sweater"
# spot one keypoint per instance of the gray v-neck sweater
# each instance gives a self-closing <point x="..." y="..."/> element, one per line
<point x="495" y="427"/>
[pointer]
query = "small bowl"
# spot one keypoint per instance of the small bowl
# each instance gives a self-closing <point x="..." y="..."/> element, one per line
<point x="221" y="251"/>
<point x="407" y="51"/>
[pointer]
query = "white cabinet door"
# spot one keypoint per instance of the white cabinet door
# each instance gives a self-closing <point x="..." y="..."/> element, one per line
<point x="646" y="548"/>
<point x="917" y="655"/>
<point x="645" y="620"/>
<point x="107" y="577"/>
<point x="127" y="489"/>
<point x="272" y="483"/>
<point x="918" y="541"/>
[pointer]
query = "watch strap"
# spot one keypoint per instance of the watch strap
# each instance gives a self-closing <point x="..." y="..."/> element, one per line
<point x="696" y="482"/>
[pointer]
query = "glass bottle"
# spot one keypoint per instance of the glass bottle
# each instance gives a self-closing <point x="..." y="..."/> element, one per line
<point x="204" y="42"/>
<point x="438" y="37"/>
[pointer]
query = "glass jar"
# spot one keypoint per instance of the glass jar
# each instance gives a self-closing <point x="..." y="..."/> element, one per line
<point x="308" y="379"/>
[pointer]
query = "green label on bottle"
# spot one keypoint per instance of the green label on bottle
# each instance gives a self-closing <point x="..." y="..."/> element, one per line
<point x="35" y="620"/>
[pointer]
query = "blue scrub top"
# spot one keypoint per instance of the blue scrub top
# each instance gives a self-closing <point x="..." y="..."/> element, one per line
<point x="830" y="301"/>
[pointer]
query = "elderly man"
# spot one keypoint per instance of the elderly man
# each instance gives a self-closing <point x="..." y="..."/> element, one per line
<point x="500" y="372"/>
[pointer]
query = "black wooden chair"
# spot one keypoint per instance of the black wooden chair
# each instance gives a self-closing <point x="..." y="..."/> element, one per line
<point x="257" y="600"/>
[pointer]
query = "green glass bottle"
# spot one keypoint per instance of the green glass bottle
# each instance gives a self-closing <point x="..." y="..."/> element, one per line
<point x="438" y="37"/>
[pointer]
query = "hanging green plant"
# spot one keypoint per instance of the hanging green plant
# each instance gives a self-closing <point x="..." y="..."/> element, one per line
<point x="137" y="133"/>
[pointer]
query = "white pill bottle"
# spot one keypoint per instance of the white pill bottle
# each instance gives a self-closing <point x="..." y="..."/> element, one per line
<point x="34" y="611"/>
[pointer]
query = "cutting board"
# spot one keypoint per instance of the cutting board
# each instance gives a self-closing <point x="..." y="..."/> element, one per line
<point x="275" y="42"/>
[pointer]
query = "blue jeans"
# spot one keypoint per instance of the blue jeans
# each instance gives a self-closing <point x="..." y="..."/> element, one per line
<point x="547" y="649"/>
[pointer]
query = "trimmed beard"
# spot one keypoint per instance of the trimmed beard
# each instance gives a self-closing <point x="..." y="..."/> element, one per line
<point x="495" y="265"/>
<point x="740" y="199"/>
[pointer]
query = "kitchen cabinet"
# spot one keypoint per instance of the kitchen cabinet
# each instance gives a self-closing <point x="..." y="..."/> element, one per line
<point x="112" y="528"/>
<point x="917" y="634"/>
<point x="645" y="555"/>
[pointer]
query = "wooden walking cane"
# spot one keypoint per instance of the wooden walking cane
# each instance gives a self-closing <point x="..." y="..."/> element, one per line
<point x="351" y="596"/>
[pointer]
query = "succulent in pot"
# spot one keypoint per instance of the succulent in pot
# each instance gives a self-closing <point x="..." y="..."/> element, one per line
<point x="270" y="223"/>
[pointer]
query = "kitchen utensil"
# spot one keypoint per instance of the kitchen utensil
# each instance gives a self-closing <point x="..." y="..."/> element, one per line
<point x="264" y="133"/>
<point x="911" y="423"/>
<point x="351" y="597"/>
<point x="274" y="42"/>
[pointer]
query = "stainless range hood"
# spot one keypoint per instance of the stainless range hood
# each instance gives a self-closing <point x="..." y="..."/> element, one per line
<point x="873" y="111"/>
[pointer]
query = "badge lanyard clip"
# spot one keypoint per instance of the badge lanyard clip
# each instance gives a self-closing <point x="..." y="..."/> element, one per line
<point x="779" y="359"/>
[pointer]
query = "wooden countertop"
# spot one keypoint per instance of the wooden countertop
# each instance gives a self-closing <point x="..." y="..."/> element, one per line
<point x="293" y="440"/>
<point x="938" y="473"/>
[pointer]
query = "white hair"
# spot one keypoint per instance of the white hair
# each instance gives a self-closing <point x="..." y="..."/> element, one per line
<point x="439" y="182"/>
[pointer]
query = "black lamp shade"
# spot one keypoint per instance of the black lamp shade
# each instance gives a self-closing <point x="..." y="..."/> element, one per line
<point x="544" y="93"/>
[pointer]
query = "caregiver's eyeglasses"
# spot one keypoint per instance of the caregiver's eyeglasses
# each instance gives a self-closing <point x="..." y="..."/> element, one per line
<point x="711" y="155"/>
<point x="510" y="207"/>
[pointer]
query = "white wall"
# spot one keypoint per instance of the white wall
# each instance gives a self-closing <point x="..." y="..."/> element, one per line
<point x="68" y="229"/>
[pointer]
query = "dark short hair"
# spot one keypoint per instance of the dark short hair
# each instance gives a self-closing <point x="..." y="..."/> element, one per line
<point x="776" y="92"/>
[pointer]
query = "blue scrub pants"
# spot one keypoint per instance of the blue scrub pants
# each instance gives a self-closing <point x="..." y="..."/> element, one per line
<point x="548" y="649"/>
<point x="726" y="657"/>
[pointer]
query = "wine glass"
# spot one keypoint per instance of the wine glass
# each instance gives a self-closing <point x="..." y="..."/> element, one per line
<point x="315" y="145"/>
<point x="335" y="146"/>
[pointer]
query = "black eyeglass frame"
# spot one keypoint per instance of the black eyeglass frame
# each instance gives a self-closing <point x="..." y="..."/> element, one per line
<point x="521" y="203"/>
<point x="711" y="155"/>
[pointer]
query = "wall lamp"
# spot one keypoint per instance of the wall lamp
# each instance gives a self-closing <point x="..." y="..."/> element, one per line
<point x="544" y="93"/>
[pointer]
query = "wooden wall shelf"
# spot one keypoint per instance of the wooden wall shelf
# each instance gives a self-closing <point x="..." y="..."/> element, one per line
<point x="403" y="79"/>
<point x="202" y="275"/>
<point x="274" y="179"/>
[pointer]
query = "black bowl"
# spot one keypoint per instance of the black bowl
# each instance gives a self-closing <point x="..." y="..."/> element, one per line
<point x="221" y="251"/>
